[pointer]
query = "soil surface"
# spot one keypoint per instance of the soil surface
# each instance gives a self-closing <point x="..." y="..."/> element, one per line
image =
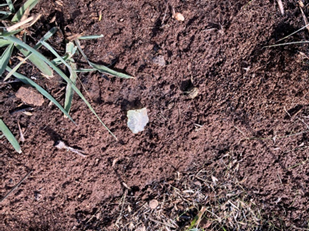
<point x="214" y="94"/>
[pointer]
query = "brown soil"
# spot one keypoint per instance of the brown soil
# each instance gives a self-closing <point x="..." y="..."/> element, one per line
<point x="250" y="116"/>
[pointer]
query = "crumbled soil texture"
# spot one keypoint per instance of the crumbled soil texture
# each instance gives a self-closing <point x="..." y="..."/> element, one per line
<point x="212" y="90"/>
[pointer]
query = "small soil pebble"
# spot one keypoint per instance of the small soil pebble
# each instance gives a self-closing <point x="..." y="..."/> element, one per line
<point x="192" y="93"/>
<point x="179" y="17"/>
<point x="30" y="96"/>
<point x="153" y="204"/>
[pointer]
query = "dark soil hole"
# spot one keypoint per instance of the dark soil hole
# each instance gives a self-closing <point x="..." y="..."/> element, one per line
<point x="131" y="105"/>
<point x="134" y="189"/>
<point x="186" y="85"/>
<point x="185" y="217"/>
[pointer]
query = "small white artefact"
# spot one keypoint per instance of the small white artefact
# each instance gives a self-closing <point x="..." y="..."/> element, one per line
<point x="137" y="119"/>
<point x="61" y="145"/>
<point x="179" y="17"/>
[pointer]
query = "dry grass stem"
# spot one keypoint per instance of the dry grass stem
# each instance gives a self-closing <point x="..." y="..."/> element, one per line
<point x="24" y="23"/>
<point x="281" y="7"/>
<point x="21" y="135"/>
<point x="304" y="18"/>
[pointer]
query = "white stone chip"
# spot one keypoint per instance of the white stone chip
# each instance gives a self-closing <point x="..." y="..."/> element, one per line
<point x="137" y="120"/>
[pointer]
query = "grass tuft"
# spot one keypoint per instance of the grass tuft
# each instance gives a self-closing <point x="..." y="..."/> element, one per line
<point x="9" y="39"/>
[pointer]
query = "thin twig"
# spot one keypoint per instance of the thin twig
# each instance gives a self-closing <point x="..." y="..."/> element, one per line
<point x="16" y="186"/>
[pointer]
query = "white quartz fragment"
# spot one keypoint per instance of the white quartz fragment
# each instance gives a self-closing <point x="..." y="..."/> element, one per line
<point x="137" y="119"/>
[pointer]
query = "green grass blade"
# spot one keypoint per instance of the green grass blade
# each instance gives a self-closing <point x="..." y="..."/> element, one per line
<point x="91" y="37"/>
<point x="58" y="61"/>
<point x="5" y="57"/>
<point x="11" y="6"/>
<point x="107" y="70"/>
<point x="47" y="36"/>
<point x="28" y="81"/>
<point x="27" y="47"/>
<point x="3" y="5"/>
<point x="69" y="91"/>
<point x="10" y="137"/>
<point x="85" y="70"/>
<point x="29" y="4"/>
<point x="52" y="50"/>
<point x="70" y="51"/>
<point x="40" y="64"/>
<point x="102" y="68"/>
<point x="4" y="43"/>
<point x="5" y="13"/>
<point x="12" y="71"/>
<point x="6" y="34"/>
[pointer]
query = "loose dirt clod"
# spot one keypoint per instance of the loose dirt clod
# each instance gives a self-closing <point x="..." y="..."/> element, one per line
<point x="30" y="96"/>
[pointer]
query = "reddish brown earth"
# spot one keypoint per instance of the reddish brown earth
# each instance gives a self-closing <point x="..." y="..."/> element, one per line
<point x="252" y="109"/>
